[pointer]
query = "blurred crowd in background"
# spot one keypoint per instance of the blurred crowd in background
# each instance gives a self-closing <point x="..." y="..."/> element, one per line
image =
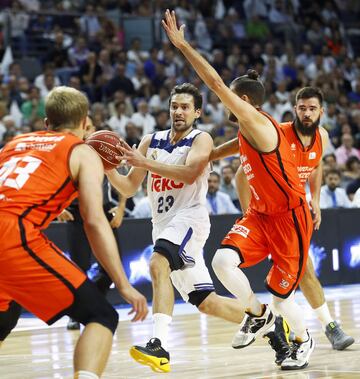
<point x="102" y="48"/>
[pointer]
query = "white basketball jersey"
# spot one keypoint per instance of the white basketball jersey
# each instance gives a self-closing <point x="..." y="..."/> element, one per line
<point x="169" y="197"/>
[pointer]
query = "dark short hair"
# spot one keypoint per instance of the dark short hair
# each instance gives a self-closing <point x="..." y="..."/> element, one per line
<point x="251" y="86"/>
<point x="352" y="159"/>
<point x="329" y="155"/>
<point x="189" y="89"/>
<point x="333" y="171"/>
<point x="215" y="174"/>
<point x="308" y="93"/>
<point x="227" y="166"/>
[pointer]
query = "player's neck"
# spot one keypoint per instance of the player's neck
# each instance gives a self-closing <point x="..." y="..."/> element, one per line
<point x="176" y="136"/>
<point x="306" y="140"/>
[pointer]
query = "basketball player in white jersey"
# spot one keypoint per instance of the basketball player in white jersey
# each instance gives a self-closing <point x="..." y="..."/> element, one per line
<point x="176" y="161"/>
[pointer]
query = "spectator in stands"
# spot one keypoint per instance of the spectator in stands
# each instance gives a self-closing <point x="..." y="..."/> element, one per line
<point x="132" y="134"/>
<point x="228" y="185"/>
<point x="143" y="119"/>
<point x="352" y="188"/>
<point x="120" y="82"/>
<point x="7" y="125"/>
<point x="356" y="200"/>
<point x="159" y="101"/>
<point x="89" y="22"/>
<point x="119" y="121"/>
<point x="57" y="53"/>
<point x="346" y="150"/>
<point x="331" y="195"/>
<point x="142" y="207"/>
<point x="352" y="171"/>
<point x="218" y="202"/>
<point x="162" y="120"/>
<point x="34" y="106"/>
<point x="78" y="54"/>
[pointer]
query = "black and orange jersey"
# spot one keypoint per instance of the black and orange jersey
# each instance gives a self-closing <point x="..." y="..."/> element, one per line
<point x="35" y="178"/>
<point x="307" y="158"/>
<point x="273" y="176"/>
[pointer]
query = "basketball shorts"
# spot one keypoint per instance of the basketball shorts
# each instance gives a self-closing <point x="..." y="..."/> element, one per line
<point x="34" y="272"/>
<point x="192" y="232"/>
<point x="286" y="237"/>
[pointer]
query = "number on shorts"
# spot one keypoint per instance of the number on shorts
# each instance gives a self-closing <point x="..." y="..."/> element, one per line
<point x="165" y="204"/>
<point x="23" y="172"/>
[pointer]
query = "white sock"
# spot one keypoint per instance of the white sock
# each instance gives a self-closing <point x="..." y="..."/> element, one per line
<point x="292" y="313"/>
<point x="225" y="264"/>
<point x="85" y="375"/>
<point x="161" y="323"/>
<point x="323" y="314"/>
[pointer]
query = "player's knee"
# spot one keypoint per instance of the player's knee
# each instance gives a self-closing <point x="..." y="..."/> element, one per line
<point x="224" y="259"/>
<point x="209" y="304"/>
<point x="199" y="299"/>
<point x="9" y="319"/>
<point x="159" y="267"/>
<point x="280" y="306"/>
<point x="169" y="251"/>
<point x="90" y="305"/>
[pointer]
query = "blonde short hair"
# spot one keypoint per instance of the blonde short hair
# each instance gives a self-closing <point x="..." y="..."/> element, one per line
<point x="66" y="108"/>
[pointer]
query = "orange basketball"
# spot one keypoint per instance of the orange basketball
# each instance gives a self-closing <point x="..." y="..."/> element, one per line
<point x="104" y="142"/>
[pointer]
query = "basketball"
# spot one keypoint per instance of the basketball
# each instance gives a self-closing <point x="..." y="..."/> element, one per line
<point x="104" y="142"/>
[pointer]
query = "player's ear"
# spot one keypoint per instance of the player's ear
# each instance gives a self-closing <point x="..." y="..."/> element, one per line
<point x="197" y="113"/>
<point x="245" y="98"/>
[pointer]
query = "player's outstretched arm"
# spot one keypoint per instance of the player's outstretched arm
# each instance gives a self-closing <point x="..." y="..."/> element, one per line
<point x="224" y="150"/>
<point x="258" y="126"/>
<point x="196" y="161"/>
<point x="87" y="169"/>
<point x="129" y="184"/>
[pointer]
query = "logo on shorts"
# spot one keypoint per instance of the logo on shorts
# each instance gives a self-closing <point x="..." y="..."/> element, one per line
<point x="240" y="229"/>
<point x="293" y="147"/>
<point x="284" y="284"/>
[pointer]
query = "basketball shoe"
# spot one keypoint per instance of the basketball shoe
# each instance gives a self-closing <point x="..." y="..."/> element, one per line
<point x="338" y="339"/>
<point x="300" y="354"/>
<point x="279" y="340"/>
<point x="153" y="355"/>
<point x="252" y="327"/>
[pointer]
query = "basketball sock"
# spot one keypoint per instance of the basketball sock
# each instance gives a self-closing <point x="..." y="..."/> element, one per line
<point x="225" y="264"/>
<point x="82" y="374"/>
<point x="292" y="313"/>
<point x="161" y="323"/>
<point x="323" y="314"/>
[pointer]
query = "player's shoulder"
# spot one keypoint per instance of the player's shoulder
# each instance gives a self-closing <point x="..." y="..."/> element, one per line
<point x="323" y="132"/>
<point x="286" y="125"/>
<point x="200" y="135"/>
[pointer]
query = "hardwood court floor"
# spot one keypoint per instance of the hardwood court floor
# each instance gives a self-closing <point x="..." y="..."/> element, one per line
<point x="199" y="346"/>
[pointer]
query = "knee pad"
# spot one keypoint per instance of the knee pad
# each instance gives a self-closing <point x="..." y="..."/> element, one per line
<point x="9" y="319"/>
<point x="90" y="305"/>
<point x="197" y="297"/>
<point x="225" y="257"/>
<point x="171" y="252"/>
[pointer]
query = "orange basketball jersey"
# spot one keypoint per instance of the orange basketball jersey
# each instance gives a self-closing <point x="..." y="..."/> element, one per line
<point x="35" y="179"/>
<point x="307" y="158"/>
<point x="273" y="176"/>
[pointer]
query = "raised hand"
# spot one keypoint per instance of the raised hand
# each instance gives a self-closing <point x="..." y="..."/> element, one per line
<point x="175" y="34"/>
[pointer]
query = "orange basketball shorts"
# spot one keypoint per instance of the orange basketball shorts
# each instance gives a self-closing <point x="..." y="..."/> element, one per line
<point x="286" y="237"/>
<point x="33" y="271"/>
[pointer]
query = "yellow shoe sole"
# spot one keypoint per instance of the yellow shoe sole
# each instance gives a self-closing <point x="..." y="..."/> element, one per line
<point x="156" y="364"/>
<point x="286" y="328"/>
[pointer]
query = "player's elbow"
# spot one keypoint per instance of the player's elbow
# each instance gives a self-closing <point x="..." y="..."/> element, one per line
<point x="216" y="85"/>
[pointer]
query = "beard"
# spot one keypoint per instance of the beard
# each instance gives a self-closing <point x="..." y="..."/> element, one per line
<point x="306" y="130"/>
<point x="182" y="127"/>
